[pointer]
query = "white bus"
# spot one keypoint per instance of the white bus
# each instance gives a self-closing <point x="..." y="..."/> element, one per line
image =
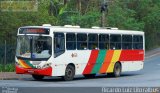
<point x="67" y="51"/>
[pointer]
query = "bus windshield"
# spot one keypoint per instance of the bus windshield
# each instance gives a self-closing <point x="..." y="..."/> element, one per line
<point x="34" y="47"/>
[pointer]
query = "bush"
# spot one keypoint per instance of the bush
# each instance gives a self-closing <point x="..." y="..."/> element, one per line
<point x="7" y="68"/>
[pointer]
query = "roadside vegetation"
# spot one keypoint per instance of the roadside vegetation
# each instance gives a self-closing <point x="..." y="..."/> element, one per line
<point x="7" y="68"/>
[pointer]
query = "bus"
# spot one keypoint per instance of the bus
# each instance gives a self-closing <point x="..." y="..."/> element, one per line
<point x="66" y="51"/>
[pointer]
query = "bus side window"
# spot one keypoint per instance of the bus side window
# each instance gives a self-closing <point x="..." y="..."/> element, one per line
<point x="126" y="41"/>
<point x="115" y="42"/>
<point x="81" y="41"/>
<point x="70" y="41"/>
<point x="93" y="41"/>
<point x="103" y="41"/>
<point x="137" y="42"/>
<point x="59" y="44"/>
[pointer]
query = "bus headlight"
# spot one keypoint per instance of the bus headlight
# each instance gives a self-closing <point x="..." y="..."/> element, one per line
<point x="17" y="63"/>
<point x="46" y="65"/>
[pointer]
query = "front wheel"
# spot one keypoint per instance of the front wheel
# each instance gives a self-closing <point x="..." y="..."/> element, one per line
<point x="37" y="77"/>
<point x="69" y="73"/>
<point x="116" y="70"/>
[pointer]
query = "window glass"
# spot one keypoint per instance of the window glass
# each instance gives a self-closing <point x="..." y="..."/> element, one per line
<point x="59" y="44"/>
<point x="137" y="42"/>
<point x="81" y="37"/>
<point x="93" y="41"/>
<point x="103" y="41"/>
<point x="137" y="38"/>
<point x="115" y="38"/>
<point x="126" y="41"/>
<point x="115" y="41"/>
<point x="81" y="41"/>
<point x="70" y="41"/>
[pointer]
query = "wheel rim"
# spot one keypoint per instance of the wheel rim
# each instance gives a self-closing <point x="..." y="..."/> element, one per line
<point x="69" y="73"/>
<point x="117" y="70"/>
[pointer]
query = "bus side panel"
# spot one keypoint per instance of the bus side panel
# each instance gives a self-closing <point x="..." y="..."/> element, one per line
<point x="130" y="59"/>
<point x="85" y="61"/>
<point x="79" y="58"/>
<point x="132" y="55"/>
<point x="132" y="65"/>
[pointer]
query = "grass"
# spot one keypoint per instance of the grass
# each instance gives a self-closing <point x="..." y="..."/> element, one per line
<point x="7" y="68"/>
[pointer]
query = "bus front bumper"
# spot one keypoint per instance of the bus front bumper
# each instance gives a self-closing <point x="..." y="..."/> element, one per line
<point x="43" y="72"/>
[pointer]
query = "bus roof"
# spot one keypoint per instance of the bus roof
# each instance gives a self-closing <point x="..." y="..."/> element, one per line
<point x="76" y="29"/>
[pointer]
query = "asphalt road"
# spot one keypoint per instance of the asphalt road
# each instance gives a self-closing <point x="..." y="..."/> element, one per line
<point x="148" y="77"/>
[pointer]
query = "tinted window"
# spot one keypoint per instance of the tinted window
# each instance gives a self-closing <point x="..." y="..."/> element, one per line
<point x="81" y="41"/>
<point x="127" y="42"/>
<point x="70" y="41"/>
<point x="115" y="41"/>
<point x="59" y="44"/>
<point x="137" y="42"/>
<point x="93" y="41"/>
<point x="103" y="41"/>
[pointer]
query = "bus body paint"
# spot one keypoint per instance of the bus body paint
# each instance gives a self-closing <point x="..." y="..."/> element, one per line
<point x="45" y="71"/>
<point x="107" y="61"/>
<point x="130" y="55"/>
<point x="25" y="63"/>
<point x="99" y="61"/>
<point x="104" y="60"/>
<point x="91" y="62"/>
<point x="115" y="58"/>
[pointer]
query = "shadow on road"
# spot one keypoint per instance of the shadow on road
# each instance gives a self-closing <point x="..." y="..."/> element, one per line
<point x="80" y="77"/>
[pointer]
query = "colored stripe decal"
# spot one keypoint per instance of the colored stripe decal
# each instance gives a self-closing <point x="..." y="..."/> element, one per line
<point x="27" y="61"/>
<point x="99" y="61"/>
<point x="91" y="62"/>
<point x="115" y="58"/>
<point x="107" y="61"/>
<point x="23" y="64"/>
<point x="132" y="55"/>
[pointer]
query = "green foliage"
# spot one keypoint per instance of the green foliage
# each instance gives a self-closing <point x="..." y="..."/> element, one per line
<point x="7" y="68"/>
<point x="124" y="14"/>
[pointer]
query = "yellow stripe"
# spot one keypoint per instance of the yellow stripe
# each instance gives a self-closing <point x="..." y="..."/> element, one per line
<point x="115" y="58"/>
<point x="22" y="64"/>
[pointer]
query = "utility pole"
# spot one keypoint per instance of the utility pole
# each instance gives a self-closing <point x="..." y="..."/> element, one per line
<point x="104" y="9"/>
<point x="79" y="5"/>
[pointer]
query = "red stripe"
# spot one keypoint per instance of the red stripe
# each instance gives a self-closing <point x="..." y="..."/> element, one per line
<point x="44" y="72"/>
<point x="91" y="62"/>
<point x="132" y="55"/>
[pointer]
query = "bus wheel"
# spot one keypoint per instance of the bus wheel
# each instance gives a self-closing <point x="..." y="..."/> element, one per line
<point x="37" y="77"/>
<point x="69" y="73"/>
<point x="89" y="75"/>
<point x="116" y="70"/>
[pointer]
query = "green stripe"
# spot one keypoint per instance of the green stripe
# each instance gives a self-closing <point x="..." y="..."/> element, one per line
<point x="99" y="61"/>
<point x="28" y="63"/>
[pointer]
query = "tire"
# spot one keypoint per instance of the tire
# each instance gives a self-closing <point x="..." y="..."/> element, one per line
<point x="38" y="77"/>
<point x="116" y="71"/>
<point x="69" y="73"/>
<point x="89" y="75"/>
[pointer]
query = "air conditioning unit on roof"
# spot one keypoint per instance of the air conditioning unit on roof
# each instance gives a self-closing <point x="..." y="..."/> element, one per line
<point x="46" y="25"/>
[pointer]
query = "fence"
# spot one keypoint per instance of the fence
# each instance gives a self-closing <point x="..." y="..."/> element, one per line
<point x="7" y="55"/>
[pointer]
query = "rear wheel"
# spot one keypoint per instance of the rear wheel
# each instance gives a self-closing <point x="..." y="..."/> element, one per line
<point x="116" y="70"/>
<point x="37" y="77"/>
<point x="69" y="73"/>
<point x="89" y="75"/>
